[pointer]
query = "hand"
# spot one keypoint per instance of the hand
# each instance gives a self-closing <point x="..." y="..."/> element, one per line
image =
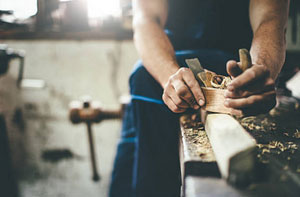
<point x="182" y="91"/>
<point x="253" y="91"/>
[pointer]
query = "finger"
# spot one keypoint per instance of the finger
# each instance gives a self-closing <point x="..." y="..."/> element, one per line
<point x="262" y="100"/>
<point x="194" y="86"/>
<point x="184" y="92"/>
<point x="171" y="105"/>
<point x="176" y="99"/>
<point x="258" y="88"/>
<point x="251" y="75"/>
<point x="233" y="69"/>
<point x="259" y="84"/>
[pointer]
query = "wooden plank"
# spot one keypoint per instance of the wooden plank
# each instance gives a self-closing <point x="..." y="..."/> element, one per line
<point x="233" y="147"/>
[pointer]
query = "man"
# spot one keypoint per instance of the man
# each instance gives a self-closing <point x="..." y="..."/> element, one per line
<point x="165" y="34"/>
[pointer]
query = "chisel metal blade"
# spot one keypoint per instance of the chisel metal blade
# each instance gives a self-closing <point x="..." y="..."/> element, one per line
<point x="196" y="68"/>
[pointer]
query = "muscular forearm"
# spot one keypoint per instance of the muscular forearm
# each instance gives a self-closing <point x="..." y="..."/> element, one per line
<point x="269" y="46"/>
<point x="253" y="91"/>
<point x="155" y="50"/>
<point x="269" y="22"/>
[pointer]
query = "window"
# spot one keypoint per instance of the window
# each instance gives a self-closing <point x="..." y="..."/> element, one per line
<point x="22" y="8"/>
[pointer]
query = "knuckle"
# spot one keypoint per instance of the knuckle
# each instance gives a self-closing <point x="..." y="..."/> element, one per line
<point x="166" y="100"/>
<point x="245" y="93"/>
<point x="251" y="73"/>
<point x="172" y="78"/>
<point x="251" y="101"/>
<point x="182" y="70"/>
<point x="166" y="90"/>
<point x="178" y="102"/>
<point x="270" y="82"/>
<point x="164" y="97"/>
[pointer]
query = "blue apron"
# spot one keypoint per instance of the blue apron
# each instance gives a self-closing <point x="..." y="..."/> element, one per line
<point x="147" y="162"/>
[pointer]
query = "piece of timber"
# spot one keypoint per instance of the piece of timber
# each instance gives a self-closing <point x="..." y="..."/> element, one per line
<point x="234" y="148"/>
<point x="196" y="154"/>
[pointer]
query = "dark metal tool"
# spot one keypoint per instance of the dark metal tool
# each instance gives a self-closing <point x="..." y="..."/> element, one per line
<point x="197" y="70"/>
<point x="8" y="54"/>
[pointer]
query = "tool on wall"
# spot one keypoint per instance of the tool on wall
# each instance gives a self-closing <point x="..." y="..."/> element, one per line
<point x="6" y="55"/>
<point x="89" y="112"/>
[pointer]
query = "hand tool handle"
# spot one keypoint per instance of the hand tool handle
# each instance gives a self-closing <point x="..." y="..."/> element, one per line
<point x="245" y="59"/>
<point x="96" y="176"/>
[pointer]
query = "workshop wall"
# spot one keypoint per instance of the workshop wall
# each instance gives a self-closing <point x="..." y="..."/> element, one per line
<point x="51" y="155"/>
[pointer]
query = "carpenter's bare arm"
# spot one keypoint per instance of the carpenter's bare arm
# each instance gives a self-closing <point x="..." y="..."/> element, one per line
<point x="181" y="90"/>
<point x="254" y="90"/>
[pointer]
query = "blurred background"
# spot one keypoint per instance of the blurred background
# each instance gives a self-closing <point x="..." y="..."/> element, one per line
<point x="54" y="52"/>
<point x="68" y="49"/>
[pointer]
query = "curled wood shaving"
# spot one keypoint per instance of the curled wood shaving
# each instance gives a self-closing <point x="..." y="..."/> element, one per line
<point x="297" y="134"/>
<point x="210" y="79"/>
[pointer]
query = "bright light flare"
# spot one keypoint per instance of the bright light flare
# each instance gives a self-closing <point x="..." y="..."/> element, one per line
<point x="103" y="8"/>
<point x="22" y="9"/>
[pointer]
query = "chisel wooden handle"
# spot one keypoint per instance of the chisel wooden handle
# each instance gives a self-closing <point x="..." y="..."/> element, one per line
<point x="245" y="59"/>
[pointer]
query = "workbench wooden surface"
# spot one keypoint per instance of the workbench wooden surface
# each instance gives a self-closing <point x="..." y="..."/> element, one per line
<point x="278" y="156"/>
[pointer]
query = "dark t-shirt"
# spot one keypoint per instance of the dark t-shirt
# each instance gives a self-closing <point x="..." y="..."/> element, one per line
<point x="213" y="24"/>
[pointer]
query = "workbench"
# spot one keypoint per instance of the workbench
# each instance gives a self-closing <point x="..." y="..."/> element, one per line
<point x="277" y="135"/>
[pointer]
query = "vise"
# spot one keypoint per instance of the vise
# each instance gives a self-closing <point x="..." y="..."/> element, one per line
<point x="8" y="54"/>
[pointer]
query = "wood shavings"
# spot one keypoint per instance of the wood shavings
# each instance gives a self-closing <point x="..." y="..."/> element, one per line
<point x="265" y="151"/>
<point x="195" y="138"/>
<point x="210" y="79"/>
<point x="277" y="145"/>
<point x="297" y="134"/>
<point x="220" y="85"/>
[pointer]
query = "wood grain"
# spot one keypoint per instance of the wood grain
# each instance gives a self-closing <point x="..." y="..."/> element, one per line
<point x="234" y="148"/>
<point x="215" y="101"/>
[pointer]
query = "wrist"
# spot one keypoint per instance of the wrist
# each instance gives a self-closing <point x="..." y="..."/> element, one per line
<point x="167" y="73"/>
<point x="270" y="68"/>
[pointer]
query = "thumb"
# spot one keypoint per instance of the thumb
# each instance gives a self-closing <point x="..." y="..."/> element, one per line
<point x="233" y="69"/>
